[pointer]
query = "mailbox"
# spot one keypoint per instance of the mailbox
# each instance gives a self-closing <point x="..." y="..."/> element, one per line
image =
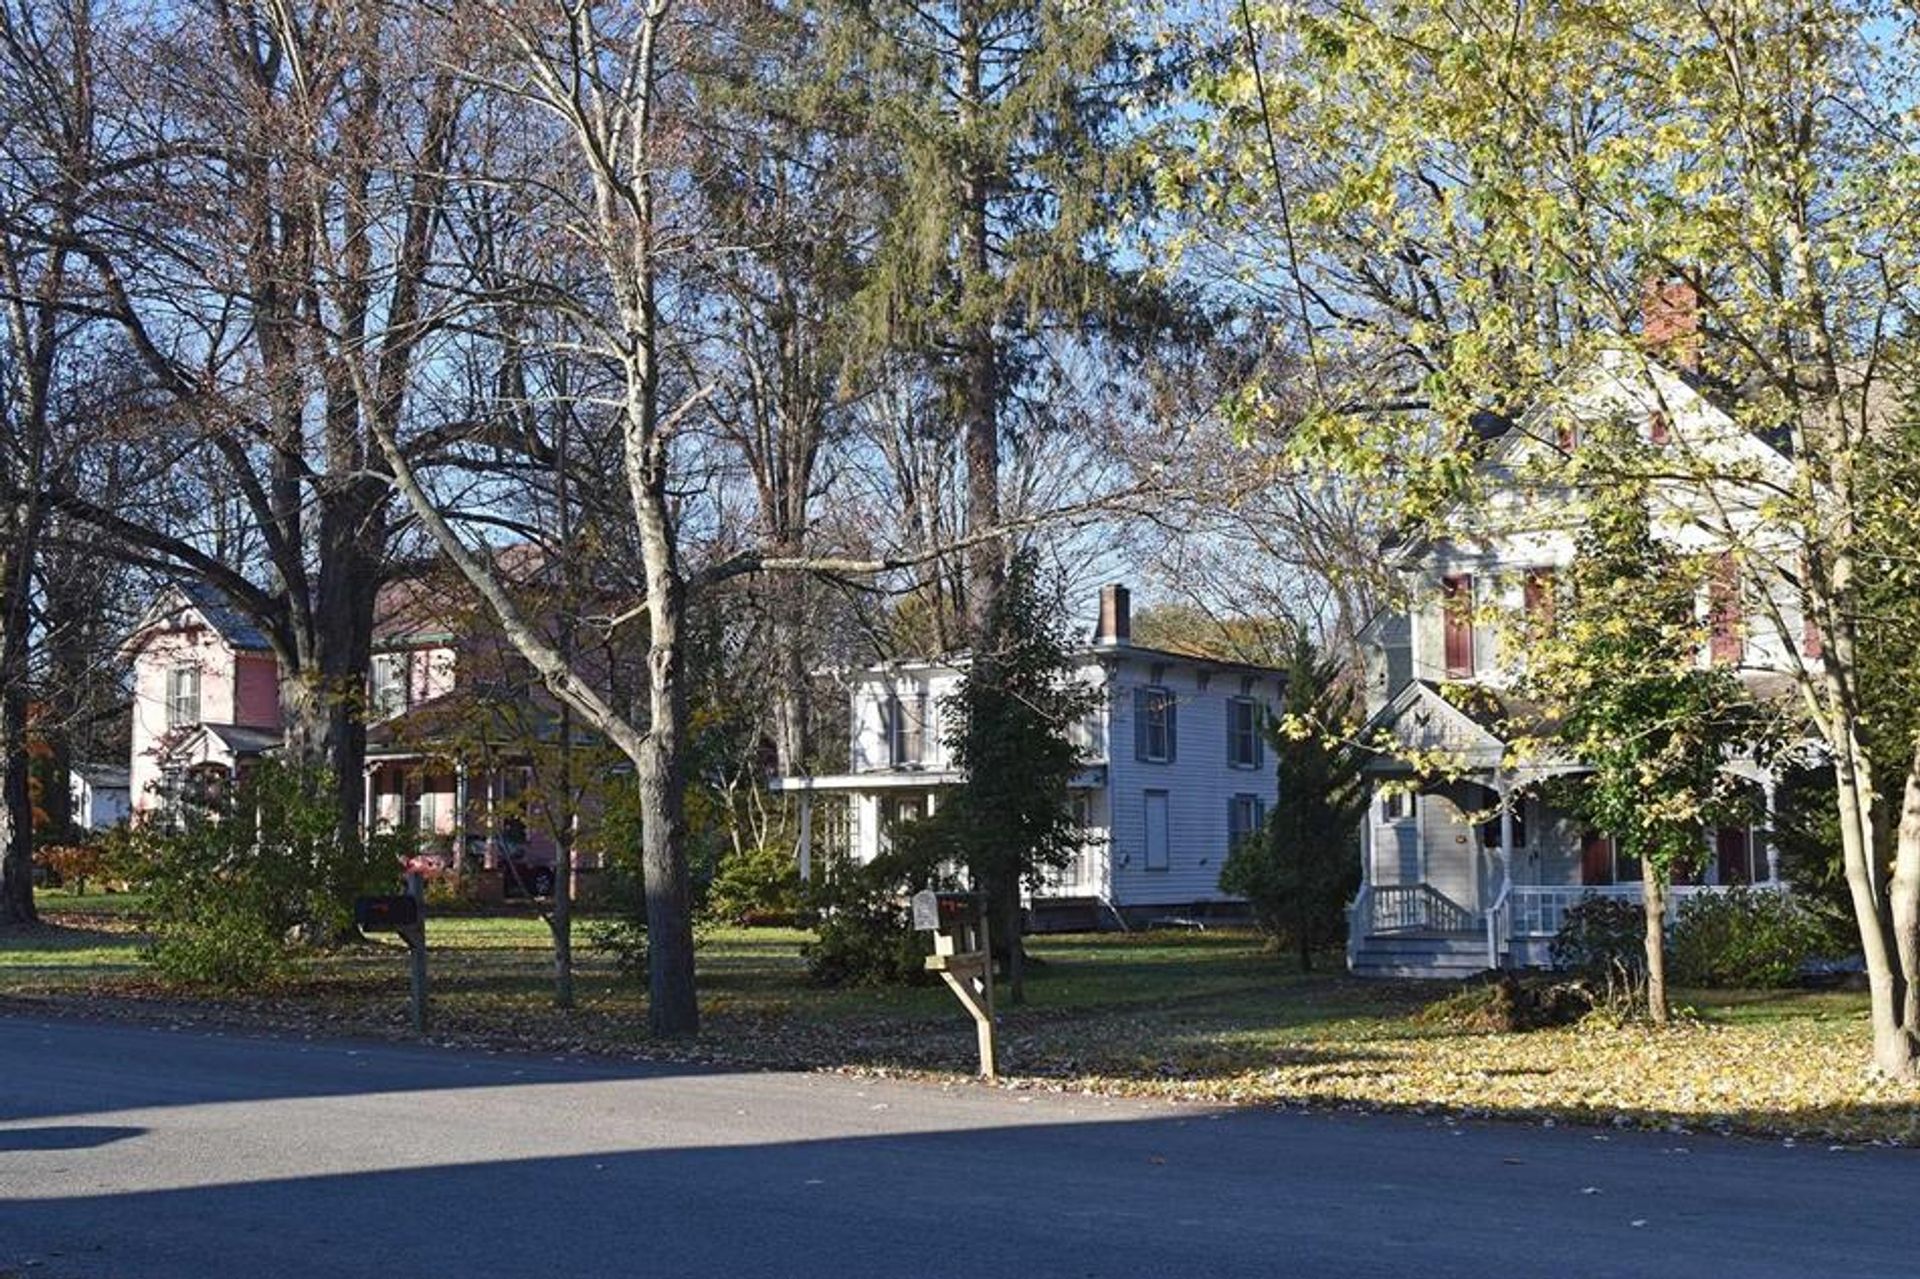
<point x="943" y="912"/>
<point x="386" y="914"/>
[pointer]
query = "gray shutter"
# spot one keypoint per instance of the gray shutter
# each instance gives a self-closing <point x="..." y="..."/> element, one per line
<point x="1259" y="735"/>
<point x="1173" y="736"/>
<point x="1234" y="832"/>
<point x="1140" y="724"/>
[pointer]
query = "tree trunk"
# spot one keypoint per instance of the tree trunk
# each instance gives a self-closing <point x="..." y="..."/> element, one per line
<point x="1897" y="1052"/>
<point x="980" y="358"/>
<point x="16" y="811"/>
<point x="1654" y="895"/>
<point x="1011" y="937"/>
<point x="560" y="922"/>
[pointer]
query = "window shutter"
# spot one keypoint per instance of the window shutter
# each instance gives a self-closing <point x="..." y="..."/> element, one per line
<point x="1259" y="813"/>
<point x="1173" y="737"/>
<point x="1140" y="724"/>
<point x="1234" y="833"/>
<point x="1259" y="736"/>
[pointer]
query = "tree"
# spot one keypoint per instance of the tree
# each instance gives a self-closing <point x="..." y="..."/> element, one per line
<point x="1473" y="198"/>
<point x="1617" y="671"/>
<point x="1299" y="871"/>
<point x="1002" y="134"/>
<point x="1010" y="727"/>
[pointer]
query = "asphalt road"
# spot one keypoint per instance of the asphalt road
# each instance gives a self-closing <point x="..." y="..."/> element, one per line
<point x="149" y="1153"/>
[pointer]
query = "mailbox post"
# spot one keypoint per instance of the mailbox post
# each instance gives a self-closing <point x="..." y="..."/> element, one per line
<point x="406" y="916"/>
<point x="963" y="956"/>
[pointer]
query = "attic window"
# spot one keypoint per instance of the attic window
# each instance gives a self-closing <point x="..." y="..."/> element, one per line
<point x="387" y="685"/>
<point x="1659" y="429"/>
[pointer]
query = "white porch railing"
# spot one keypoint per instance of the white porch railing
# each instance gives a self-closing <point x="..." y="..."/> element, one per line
<point x="1538" y="910"/>
<point x="1416" y="908"/>
<point x="1089" y="874"/>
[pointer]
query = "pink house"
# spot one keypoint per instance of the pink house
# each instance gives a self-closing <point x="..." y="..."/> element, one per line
<point x="206" y="697"/>
<point x="455" y="729"/>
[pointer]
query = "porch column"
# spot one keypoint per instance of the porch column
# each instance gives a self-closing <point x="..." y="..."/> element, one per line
<point x="369" y="801"/>
<point x="492" y="854"/>
<point x="806" y="836"/>
<point x="1504" y="790"/>
<point x="460" y="814"/>
<point x="1769" y="788"/>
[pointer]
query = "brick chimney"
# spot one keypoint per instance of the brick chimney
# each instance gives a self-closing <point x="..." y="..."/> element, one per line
<point x="1670" y="321"/>
<point x="1115" y="627"/>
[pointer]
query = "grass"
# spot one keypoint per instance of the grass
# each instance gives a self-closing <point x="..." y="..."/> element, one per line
<point x="1206" y="1017"/>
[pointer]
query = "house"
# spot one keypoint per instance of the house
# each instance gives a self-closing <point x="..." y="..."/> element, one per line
<point x="1478" y="870"/>
<point x="206" y="697"/>
<point x="1175" y="773"/>
<point x="454" y="722"/>
<point x="101" y="795"/>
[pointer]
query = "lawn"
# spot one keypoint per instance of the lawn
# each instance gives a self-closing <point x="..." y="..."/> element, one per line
<point x="1192" y="1016"/>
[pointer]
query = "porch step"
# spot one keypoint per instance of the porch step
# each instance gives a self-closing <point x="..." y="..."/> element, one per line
<point x="1440" y="956"/>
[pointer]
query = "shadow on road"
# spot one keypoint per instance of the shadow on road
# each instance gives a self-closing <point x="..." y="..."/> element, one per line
<point x="67" y="1137"/>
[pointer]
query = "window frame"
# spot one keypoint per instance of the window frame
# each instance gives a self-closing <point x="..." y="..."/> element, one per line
<point x="183" y="709"/>
<point x="1157" y="711"/>
<point x="1249" y="735"/>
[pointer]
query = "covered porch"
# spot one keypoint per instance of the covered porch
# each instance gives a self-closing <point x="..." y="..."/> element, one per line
<point x="1471" y="867"/>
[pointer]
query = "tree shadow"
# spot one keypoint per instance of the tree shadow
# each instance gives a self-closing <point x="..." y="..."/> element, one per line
<point x="64" y="1137"/>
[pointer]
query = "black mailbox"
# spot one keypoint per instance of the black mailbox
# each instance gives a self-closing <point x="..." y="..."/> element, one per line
<point x="942" y="912"/>
<point x="386" y="914"/>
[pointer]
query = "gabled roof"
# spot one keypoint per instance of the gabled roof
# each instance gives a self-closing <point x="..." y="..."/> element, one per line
<point x="1425" y="723"/>
<point x="180" y="603"/>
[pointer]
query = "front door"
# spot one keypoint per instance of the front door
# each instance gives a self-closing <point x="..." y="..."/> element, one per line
<point x="1734" y="853"/>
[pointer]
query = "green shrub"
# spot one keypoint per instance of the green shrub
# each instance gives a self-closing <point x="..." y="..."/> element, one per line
<point x="1603" y="941"/>
<point x="235" y="889"/>
<point x="1743" y="937"/>
<point x="864" y="936"/>
<point x="755" y="882"/>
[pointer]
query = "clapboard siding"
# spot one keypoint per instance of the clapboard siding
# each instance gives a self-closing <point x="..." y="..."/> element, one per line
<point x="1199" y="783"/>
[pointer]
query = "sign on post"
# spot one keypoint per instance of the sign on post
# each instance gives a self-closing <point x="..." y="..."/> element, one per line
<point x="963" y="956"/>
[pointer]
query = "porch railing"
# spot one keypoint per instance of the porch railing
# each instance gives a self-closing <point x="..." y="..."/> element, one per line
<point x="1397" y="908"/>
<point x="1539" y="910"/>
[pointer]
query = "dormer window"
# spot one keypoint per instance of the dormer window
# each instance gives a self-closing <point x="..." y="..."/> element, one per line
<point x="905" y="721"/>
<point x="388" y="688"/>
<point x="183" y="696"/>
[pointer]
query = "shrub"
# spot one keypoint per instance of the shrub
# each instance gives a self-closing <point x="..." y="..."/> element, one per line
<point x="1743" y="938"/>
<point x="1603" y="941"/>
<point x="864" y="937"/>
<point x="234" y="889"/>
<point x="72" y="865"/>
<point x="755" y="882"/>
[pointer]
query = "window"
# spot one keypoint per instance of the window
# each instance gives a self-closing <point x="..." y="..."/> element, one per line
<point x="1659" y="429"/>
<point x="1456" y="610"/>
<point x="1159" y="836"/>
<point x="1567" y="436"/>
<point x="897" y="811"/>
<point x="1490" y="829"/>
<point x="1082" y="804"/>
<point x="388" y="691"/>
<point x="1395" y="806"/>
<point x="183" y="696"/>
<point x="1243" y="733"/>
<point x="1155" y="728"/>
<point x="1246" y="815"/>
<point x="906" y="725"/>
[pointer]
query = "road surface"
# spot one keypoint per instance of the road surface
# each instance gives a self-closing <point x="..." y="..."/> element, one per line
<point x="149" y="1153"/>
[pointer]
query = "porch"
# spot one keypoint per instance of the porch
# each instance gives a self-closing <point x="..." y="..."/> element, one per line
<point x="1414" y="930"/>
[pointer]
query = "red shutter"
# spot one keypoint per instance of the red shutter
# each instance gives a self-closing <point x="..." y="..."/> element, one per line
<point x="1456" y="601"/>
<point x="1659" y="430"/>
<point x="1723" y="611"/>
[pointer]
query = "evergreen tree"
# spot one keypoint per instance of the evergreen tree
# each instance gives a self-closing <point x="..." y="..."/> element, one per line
<point x="1001" y="132"/>
<point x="1300" y="871"/>
<point x="1009" y="730"/>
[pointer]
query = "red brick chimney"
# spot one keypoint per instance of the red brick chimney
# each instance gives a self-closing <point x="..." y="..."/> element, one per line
<point x="1115" y="626"/>
<point x="1670" y="321"/>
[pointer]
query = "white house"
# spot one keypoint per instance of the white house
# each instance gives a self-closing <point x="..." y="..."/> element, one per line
<point x="1176" y="772"/>
<point x="1477" y="872"/>
<point x="101" y="795"/>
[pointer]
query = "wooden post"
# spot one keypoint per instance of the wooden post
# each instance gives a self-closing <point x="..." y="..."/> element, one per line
<point x="983" y="1021"/>
<point x="416" y="938"/>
